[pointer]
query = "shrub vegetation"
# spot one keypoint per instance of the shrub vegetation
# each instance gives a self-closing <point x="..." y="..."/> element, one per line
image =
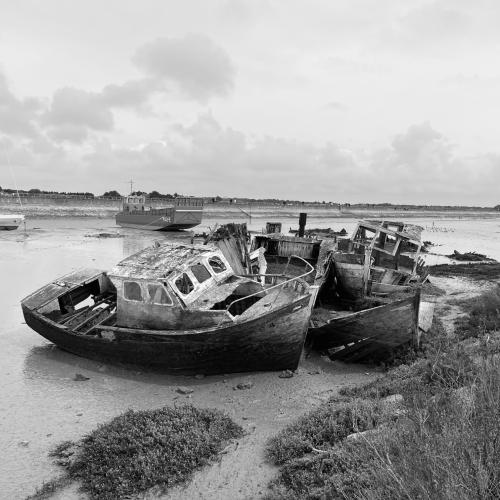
<point x="141" y="449"/>
<point x="481" y="272"/>
<point x="441" y="442"/>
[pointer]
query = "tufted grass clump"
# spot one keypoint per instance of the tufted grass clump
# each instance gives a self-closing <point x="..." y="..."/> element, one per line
<point x="323" y="426"/>
<point x="483" y="314"/>
<point x="143" y="449"/>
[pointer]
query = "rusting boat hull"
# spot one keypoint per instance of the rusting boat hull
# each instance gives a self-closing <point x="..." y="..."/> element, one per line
<point x="273" y="342"/>
<point x="171" y="221"/>
<point x="368" y="333"/>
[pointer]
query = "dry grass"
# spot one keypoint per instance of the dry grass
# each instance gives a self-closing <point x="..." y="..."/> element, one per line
<point x="443" y="443"/>
<point x="323" y="427"/>
<point x="449" y="448"/>
<point x="483" y="315"/>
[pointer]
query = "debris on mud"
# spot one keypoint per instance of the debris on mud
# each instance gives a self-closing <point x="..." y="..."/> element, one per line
<point x="470" y="257"/>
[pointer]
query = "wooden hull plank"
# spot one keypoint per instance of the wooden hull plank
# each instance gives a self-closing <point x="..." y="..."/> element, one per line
<point x="388" y="325"/>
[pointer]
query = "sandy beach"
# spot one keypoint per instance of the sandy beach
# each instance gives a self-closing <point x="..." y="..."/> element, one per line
<point x="43" y="404"/>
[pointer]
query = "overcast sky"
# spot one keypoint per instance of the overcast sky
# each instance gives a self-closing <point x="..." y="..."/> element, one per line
<point x="350" y="101"/>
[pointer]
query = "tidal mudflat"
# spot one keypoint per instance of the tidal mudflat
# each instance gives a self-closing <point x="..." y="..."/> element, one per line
<point x="44" y="401"/>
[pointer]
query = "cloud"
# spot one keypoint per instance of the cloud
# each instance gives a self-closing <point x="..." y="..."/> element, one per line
<point x="133" y="93"/>
<point x="419" y="166"/>
<point x="73" y="112"/>
<point x="435" y="21"/>
<point x="207" y="158"/>
<point x="421" y="148"/>
<point x="335" y="106"/>
<point x="35" y="162"/>
<point x="436" y="29"/>
<point x="198" y="67"/>
<point x="17" y="116"/>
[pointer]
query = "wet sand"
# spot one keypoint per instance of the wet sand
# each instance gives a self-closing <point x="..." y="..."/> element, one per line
<point x="41" y="404"/>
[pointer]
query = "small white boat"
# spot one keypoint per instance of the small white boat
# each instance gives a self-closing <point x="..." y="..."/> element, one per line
<point x="11" y="221"/>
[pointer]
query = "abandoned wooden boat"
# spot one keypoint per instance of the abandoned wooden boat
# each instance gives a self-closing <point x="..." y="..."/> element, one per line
<point x="181" y="213"/>
<point x="178" y="307"/>
<point x="353" y="322"/>
<point x="381" y="258"/>
<point x="369" y="331"/>
<point x="11" y="221"/>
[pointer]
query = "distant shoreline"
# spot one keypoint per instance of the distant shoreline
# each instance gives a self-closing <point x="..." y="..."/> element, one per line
<point x="245" y="211"/>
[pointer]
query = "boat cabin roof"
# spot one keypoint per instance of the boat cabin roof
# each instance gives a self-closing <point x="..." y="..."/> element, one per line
<point x="410" y="232"/>
<point x="162" y="261"/>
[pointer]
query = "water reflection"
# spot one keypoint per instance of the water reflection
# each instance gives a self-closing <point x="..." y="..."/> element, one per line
<point x="46" y="364"/>
<point x="135" y="241"/>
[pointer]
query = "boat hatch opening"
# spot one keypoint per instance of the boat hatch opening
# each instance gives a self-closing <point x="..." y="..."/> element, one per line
<point x="69" y="301"/>
<point x="242" y="305"/>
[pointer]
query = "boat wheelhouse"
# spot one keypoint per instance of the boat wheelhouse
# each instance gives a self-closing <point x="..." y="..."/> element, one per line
<point x="178" y="307"/>
<point x="180" y="213"/>
<point x="381" y="257"/>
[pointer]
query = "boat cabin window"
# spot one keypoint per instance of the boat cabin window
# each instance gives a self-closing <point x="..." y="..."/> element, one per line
<point x="200" y="272"/>
<point x="132" y="291"/>
<point x="386" y="242"/>
<point x="217" y="265"/>
<point x="184" y="284"/>
<point x="158" y="295"/>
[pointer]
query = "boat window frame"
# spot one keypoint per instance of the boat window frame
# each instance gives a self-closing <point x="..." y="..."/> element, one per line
<point x="199" y="288"/>
<point x="204" y="266"/>
<point x="388" y="232"/>
<point x="125" y="282"/>
<point x="190" y="277"/>
<point x="161" y="286"/>
<point x="216" y="273"/>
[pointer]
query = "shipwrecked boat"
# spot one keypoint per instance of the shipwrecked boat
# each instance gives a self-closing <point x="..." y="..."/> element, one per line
<point x="180" y="213"/>
<point x="181" y="308"/>
<point x="368" y="329"/>
<point x="369" y="297"/>
<point x="382" y="257"/>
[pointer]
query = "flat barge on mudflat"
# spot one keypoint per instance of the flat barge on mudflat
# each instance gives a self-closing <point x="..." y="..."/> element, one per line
<point x="180" y="213"/>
